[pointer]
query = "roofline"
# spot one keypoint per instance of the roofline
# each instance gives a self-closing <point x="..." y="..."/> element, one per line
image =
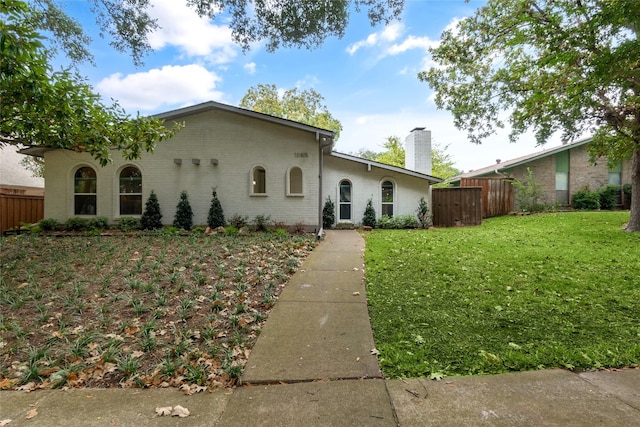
<point x="518" y="161"/>
<point x="213" y="105"/>
<point x="549" y="152"/>
<point x="385" y="166"/>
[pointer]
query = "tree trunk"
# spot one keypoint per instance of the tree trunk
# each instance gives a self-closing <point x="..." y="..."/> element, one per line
<point x="634" y="219"/>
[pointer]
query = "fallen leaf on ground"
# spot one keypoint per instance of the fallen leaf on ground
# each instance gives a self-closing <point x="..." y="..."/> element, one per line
<point x="355" y="294"/>
<point x="165" y="410"/>
<point x="5" y="422"/>
<point x="374" y="351"/>
<point x="179" y="411"/>
<point x="31" y="414"/>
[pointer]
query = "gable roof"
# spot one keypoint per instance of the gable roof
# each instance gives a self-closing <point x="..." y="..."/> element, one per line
<point x="499" y="168"/>
<point x="212" y="105"/>
<point x="325" y="136"/>
<point x="391" y="168"/>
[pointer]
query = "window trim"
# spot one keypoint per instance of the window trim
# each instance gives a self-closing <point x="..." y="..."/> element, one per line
<point x="252" y="182"/>
<point x="288" y="184"/>
<point x="394" y="189"/>
<point x="340" y="203"/>
<point x="74" y="193"/>
<point x="119" y="194"/>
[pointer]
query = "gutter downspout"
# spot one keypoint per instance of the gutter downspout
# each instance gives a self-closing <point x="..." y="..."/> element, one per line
<point x="321" y="147"/>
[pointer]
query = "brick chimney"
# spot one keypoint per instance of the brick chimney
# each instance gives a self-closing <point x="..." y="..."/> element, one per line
<point x="417" y="151"/>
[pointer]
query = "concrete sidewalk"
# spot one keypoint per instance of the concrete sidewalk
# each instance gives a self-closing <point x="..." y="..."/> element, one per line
<point x="312" y="366"/>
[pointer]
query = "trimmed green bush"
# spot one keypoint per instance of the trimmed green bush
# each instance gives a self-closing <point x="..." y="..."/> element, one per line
<point x="76" y="224"/>
<point x="216" y="214"/>
<point x="151" y="217"/>
<point x="397" y="222"/>
<point x="184" y="214"/>
<point x="328" y="213"/>
<point x="369" y="218"/>
<point x="127" y="223"/>
<point x="424" y="217"/>
<point x="609" y="196"/>
<point x="238" y="221"/>
<point x="49" y="224"/>
<point x="98" y="223"/>
<point x="585" y="199"/>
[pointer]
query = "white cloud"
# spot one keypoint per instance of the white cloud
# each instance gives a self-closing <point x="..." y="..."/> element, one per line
<point x="159" y="88"/>
<point x="192" y="35"/>
<point x="250" y="68"/>
<point x="412" y="42"/>
<point x="309" y="81"/>
<point x="389" y="34"/>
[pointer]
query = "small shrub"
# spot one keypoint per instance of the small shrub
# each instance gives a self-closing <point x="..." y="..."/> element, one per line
<point x="98" y="223"/>
<point x="369" y="218"/>
<point x="261" y="222"/>
<point x="152" y="217"/>
<point x="397" y="222"/>
<point x="585" y="199"/>
<point x="299" y="227"/>
<point x="49" y="224"/>
<point x="608" y="196"/>
<point x="128" y="223"/>
<point x="528" y="193"/>
<point x="281" y="232"/>
<point x="424" y="217"/>
<point x="239" y="221"/>
<point x="231" y="230"/>
<point x="328" y="213"/>
<point x="184" y="214"/>
<point x="76" y="224"/>
<point x="216" y="214"/>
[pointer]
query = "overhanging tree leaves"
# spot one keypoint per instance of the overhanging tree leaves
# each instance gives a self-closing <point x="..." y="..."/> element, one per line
<point x="566" y="65"/>
<point x="301" y="106"/>
<point x="58" y="109"/>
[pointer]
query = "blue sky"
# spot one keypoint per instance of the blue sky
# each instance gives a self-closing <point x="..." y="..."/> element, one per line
<point x="368" y="78"/>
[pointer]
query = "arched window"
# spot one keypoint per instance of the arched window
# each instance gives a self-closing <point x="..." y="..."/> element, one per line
<point x="130" y="191"/>
<point x="259" y="180"/>
<point x="294" y="182"/>
<point x="345" y="201"/>
<point x="387" y="198"/>
<point x="85" y="191"/>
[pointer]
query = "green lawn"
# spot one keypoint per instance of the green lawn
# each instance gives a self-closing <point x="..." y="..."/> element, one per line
<point x="517" y="293"/>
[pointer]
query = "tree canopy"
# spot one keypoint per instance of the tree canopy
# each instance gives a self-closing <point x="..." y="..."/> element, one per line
<point x="394" y="154"/>
<point x="301" y="106"/>
<point x="58" y="109"/>
<point x="569" y="66"/>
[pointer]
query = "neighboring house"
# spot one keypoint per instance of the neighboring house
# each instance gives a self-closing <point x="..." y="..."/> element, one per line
<point x="258" y="164"/>
<point x="15" y="178"/>
<point x="559" y="171"/>
<point x="21" y="193"/>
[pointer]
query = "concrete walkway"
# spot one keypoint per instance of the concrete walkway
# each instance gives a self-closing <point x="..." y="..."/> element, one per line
<point x="312" y="366"/>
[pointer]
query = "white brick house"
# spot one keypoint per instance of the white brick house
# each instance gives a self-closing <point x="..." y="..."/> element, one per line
<point x="258" y="164"/>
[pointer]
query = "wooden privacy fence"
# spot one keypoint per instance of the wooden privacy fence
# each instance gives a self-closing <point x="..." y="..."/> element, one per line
<point x="457" y="206"/>
<point x="15" y="209"/>
<point x="497" y="195"/>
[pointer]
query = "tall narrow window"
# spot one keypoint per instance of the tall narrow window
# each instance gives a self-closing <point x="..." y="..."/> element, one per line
<point x="615" y="174"/>
<point x="387" y="198"/>
<point x="295" y="182"/>
<point x="130" y="191"/>
<point x="85" y="191"/>
<point x="562" y="178"/>
<point x="259" y="180"/>
<point x="345" y="200"/>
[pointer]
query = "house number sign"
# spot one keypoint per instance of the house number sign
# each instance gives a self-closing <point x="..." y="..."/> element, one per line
<point x="301" y="155"/>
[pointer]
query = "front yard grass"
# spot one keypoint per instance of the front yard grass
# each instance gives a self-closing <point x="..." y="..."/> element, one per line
<point x="517" y="293"/>
<point x="143" y="311"/>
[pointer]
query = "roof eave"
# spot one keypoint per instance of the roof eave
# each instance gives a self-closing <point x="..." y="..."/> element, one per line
<point x="385" y="166"/>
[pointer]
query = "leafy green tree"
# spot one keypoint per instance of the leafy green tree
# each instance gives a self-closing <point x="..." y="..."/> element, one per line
<point x="394" y="152"/>
<point x="328" y="213"/>
<point x="441" y="164"/>
<point x="369" y="218"/>
<point x="151" y="218"/>
<point x="563" y="65"/>
<point x="184" y="214"/>
<point x="58" y="109"/>
<point x="424" y="217"/>
<point x="301" y="106"/>
<point x="216" y="214"/>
